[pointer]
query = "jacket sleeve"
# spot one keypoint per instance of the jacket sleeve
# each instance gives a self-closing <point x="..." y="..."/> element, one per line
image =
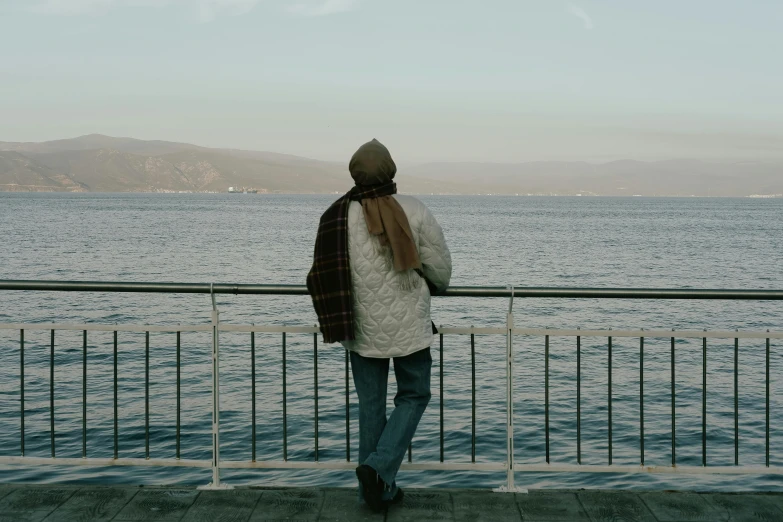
<point x="433" y="251"/>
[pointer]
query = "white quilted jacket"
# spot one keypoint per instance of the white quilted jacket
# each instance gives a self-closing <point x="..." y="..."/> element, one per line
<point x="389" y="320"/>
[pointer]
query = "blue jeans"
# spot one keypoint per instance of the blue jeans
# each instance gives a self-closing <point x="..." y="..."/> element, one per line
<point x="382" y="442"/>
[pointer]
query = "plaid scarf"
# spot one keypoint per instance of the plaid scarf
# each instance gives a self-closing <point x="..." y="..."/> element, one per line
<point x="329" y="280"/>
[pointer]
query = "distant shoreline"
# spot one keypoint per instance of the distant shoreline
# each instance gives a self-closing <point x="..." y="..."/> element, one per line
<point x="337" y="194"/>
<point x="105" y="164"/>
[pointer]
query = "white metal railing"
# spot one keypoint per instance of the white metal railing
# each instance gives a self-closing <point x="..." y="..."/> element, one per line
<point x="510" y="332"/>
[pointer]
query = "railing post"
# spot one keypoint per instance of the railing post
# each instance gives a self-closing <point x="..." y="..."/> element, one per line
<point x="510" y="394"/>
<point x="510" y="487"/>
<point x="215" y="484"/>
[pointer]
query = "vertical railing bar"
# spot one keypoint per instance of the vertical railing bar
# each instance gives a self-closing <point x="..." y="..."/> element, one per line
<point x="253" y="393"/>
<point x="21" y="388"/>
<point x="704" y="401"/>
<point x="84" y="394"/>
<point x="215" y="484"/>
<point x="736" y="401"/>
<point x="315" y="379"/>
<point x="116" y="413"/>
<point x="767" y="405"/>
<point x="610" y="398"/>
<point x="51" y="393"/>
<point x="410" y="452"/>
<point x="546" y="396"/>
<point x="473" y="396"/>
<point x="674" y="419"/>
<point x="442" y="452"/>
<point x="147" y="395"/>
<point x="510" y="393"/>
<point x="578" y="399"/>
<point x="285" y="404"/>
<point x="179" y="394"/>
<point x="641" y="400"/>
<point x="347" y="409"/>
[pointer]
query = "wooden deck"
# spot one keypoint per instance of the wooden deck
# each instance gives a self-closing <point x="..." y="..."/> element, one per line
<point x="19" y="503"/>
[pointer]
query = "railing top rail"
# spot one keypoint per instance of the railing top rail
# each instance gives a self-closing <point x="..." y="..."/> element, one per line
<point x="457" y="291"/>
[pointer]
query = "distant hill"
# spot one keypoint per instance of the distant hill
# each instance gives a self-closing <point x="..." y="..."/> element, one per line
<point x="99" y="141"/>
<point x="616" y="178"/>
<point x="106" y="164"/>
<point x="100" y="163"/>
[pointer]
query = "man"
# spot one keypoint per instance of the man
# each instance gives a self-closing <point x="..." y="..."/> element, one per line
<point x="378" y="256"/>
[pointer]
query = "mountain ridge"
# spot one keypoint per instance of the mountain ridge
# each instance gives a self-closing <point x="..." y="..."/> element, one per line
<point x="101" y="163"/>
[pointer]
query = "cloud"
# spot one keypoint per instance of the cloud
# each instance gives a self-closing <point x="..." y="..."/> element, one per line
<point x="324" y="7"/>
<point x="582" y="15"/>
<point x="205" y="10"/>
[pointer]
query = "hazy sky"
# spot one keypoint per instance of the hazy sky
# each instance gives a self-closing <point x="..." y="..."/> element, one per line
<point x="455" y="80"/>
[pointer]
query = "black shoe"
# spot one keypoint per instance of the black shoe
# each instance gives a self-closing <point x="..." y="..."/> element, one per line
<point x="372" y="487"/>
